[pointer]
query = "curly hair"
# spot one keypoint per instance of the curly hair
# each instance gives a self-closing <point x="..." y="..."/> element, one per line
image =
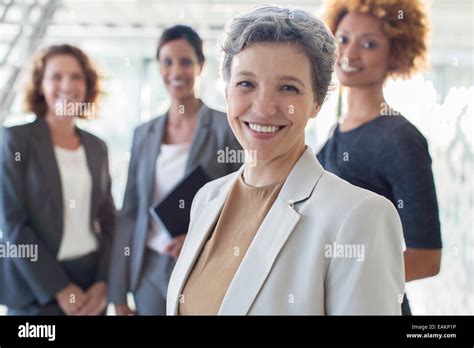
<point x="405" y="22"/>
<point x="34" y="98"/>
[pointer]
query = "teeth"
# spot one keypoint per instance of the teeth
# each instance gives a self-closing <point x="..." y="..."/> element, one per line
<point x="263" y="129"/>
<point x="348" y="68"/>
<point x="177" y="83"/>
<point x="65" y="97"/>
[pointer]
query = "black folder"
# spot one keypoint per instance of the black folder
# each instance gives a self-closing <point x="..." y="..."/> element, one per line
<point x="173" y="210"/>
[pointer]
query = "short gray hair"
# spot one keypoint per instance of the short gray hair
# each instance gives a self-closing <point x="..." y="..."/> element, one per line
<point x="271" y="23"/>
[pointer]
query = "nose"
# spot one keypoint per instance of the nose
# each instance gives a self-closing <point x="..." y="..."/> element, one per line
<point x="265" y="104"/>
<point x="175" y="70"/>
<point x="67" y="85"/>
<point x="350" y="52"/>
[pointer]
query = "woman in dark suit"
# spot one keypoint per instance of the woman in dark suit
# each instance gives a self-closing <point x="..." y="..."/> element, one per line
<point x="163" y="150"/>
<point x="56" y="196"/>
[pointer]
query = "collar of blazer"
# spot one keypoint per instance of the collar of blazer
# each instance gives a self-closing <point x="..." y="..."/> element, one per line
<point x="264" y="249"/>
<point x="155" y="138"/>
<point x="43" y="145"/>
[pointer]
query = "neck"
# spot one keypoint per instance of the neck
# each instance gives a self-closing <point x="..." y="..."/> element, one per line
<point x="268" y="172"/>
<point x="61" y="125"/>
<point x="182" y="110"/>
<point x="364" y="103"/>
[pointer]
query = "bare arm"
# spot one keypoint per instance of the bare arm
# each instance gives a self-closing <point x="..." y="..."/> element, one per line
<point x="421" y="263"/>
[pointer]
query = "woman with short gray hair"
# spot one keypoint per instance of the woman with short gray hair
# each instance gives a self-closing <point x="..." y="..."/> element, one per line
<point x="281" y="235"/>
<point x="275" y="24"/>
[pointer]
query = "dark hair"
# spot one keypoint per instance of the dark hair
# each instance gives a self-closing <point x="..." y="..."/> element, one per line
<point x="34" y="98"/>
<point x="182" y="32"/>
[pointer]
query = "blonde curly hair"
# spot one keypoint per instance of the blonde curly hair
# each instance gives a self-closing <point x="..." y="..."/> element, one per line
<point x="405" y="22"/>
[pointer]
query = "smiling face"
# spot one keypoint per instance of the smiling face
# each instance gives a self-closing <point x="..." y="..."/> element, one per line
<point x="63" y="82"/>
<point x="179" y="67"/>
<point x="364" y="51"/>
<point x="270" y="98"/>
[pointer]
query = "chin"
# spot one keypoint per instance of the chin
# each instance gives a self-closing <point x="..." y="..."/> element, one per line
<point x="357" y="81"/>
<point x="351" y="82"/>
<point x="259" y="153"/>
<point x="345" y="81"/>
<point x="185" y="93"/>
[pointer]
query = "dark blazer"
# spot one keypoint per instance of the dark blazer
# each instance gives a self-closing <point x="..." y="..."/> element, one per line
<point x="32" y="212"/>
<point x="211" y="135"/>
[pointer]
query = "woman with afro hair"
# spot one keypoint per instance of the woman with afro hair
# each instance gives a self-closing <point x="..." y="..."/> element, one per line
<point x="373" y="146"/>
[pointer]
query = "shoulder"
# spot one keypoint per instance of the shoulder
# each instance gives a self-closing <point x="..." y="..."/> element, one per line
<point x="356" y="215"/>
<point x="212" y="189"/>
<point x="218" y="119"/>
<point x="19" y="130"/>
<point x="342" y="193"/>
<point x="336" y="199"/>
<point x="93" y="140"/>
<point x="209" y="192"/>
<point x="144" y="128"/>
<point x="92" y="137"/>
<point x="403" y="143"/>
<point x="16" y="135"/>
<point x="397" y="130"/>
<point x="217" y="116"/>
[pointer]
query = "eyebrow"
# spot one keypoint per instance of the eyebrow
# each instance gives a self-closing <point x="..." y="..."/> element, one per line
<point x="280" y="77"/>
<point x="364" y="34"/>
<point x="246" y="73"/>
<point x="291" y="78"/>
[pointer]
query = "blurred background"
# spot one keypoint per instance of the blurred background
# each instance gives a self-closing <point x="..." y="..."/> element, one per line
<point x="121" y="38"/>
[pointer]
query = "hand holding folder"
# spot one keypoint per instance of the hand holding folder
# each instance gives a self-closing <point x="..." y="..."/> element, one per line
<point x="173" y="210"/>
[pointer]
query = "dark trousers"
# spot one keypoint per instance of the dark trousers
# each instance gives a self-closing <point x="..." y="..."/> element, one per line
<point x="150" y="294"/>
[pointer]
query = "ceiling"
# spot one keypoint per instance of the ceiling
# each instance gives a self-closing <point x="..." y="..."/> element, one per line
<point x="452" y="20"/>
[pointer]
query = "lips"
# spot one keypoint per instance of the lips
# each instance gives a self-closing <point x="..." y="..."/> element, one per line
<point x="264" y="128"/>
<point x="67" y="97"/>
<point x="349" y="68"/>
<point x="177" y="83"/>
<point x="62" y="99"/>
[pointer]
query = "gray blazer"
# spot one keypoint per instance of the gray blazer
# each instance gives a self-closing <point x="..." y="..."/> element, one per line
<point x="32" y="212"/>
<point x="211" y="135"/>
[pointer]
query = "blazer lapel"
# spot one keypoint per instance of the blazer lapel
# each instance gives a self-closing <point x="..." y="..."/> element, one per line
<point x="43" y="146"/>
<point x="195" y="241"/>
<point x="200" y="136"/>
<point x="258" y="261"/>
<point x="95" y="168"/>
<point x="154" y="140"/>
<point x="271" y="236"/>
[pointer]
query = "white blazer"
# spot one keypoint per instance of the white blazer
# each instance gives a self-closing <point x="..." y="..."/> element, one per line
<point x="294" y="264"/>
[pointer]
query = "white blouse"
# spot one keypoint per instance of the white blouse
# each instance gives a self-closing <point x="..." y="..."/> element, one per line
<point x="78" y="237"/>
<point x="170" y="168"/>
